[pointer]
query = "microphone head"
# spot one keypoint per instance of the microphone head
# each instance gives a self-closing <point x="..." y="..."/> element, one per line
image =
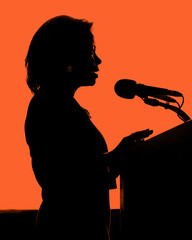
<point x="125" y="88"/>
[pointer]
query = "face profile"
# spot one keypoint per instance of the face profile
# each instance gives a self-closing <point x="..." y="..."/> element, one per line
<point x="84" y="70"/>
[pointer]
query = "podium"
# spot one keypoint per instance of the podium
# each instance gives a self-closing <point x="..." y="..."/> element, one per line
<point x="156" y="187"/>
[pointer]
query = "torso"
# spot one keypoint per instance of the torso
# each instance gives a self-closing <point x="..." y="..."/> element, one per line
<point x="76" y="142"/>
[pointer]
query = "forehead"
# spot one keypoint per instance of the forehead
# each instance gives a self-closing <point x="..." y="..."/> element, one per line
<point x="87" y="41"/>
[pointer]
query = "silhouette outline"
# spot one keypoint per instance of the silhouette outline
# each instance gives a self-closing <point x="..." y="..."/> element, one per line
<point x="69" y="155"/>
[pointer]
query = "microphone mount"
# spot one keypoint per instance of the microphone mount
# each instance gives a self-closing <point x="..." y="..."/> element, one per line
<point x="154" y="102"/>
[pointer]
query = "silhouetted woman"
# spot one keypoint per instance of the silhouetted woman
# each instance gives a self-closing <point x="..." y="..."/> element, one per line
<point x="69" y="155"/>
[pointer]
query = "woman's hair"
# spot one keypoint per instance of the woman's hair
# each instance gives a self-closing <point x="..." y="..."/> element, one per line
<point x="55" y="46"/>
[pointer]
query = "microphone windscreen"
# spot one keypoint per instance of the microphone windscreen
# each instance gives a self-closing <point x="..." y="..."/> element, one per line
<point x="125" y="88"/>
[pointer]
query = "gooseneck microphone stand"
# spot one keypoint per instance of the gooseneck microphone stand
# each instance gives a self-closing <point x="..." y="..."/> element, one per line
<point x="167" y="105"/>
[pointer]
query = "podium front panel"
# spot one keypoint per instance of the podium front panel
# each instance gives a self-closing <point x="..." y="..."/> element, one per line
<point x="156" y="187"/>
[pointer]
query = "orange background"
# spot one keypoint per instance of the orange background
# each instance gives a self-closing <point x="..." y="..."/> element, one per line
<point x="148" y="41"/>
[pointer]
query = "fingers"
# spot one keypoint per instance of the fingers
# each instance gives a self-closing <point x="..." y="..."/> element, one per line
<point x="143" y="134"/>
<point x="134" y="138"/>
<point x="137" y="136"/>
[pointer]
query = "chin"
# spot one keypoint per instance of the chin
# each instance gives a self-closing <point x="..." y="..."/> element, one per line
<point x="92" y="82"/>
<point x="89" y="82"/>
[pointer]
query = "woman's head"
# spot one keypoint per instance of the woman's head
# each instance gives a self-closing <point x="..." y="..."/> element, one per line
<point x="62" y="52"/>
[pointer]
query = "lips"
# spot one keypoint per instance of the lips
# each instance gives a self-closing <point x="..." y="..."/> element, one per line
<point x="94" y="74"/>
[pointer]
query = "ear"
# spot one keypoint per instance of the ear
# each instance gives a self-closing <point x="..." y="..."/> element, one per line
<point x="69" y="68"/>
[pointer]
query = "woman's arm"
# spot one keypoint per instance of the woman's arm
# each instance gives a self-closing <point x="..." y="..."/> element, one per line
<point x="120" y="154"/>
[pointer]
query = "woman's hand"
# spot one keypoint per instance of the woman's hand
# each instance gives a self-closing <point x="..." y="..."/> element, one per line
<point x="117" y="157"/>
<point x="133" y="139"/>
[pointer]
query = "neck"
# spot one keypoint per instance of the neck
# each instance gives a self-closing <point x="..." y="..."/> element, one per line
<point x="64" y="91"/>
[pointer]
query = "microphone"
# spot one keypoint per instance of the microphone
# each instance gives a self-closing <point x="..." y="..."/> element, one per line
<point x="127" y="88"/>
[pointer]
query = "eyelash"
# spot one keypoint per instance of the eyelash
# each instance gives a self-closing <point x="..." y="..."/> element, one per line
<point x="93" y="49"/>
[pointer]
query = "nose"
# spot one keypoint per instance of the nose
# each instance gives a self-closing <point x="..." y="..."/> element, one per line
<point x="97" y="59"/>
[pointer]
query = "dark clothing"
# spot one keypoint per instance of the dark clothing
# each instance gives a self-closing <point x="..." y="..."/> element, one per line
<point x="66" y="150"/>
